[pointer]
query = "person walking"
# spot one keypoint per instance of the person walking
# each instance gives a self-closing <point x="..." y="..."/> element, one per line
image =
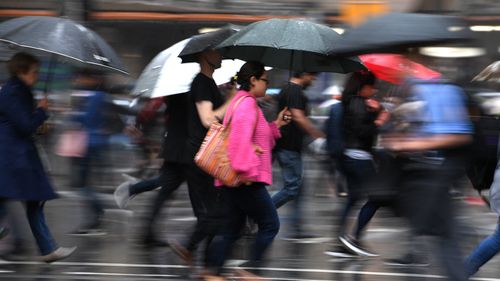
<point x="250" y="143"/>
<point x="361" y="117"/>
<point x="490" y="246"/>
<point x="22" y="175"/>
<point x="431" y="157"/>
<point x="289" y="148"/>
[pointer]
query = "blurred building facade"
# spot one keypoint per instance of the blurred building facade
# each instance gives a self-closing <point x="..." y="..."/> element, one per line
<point x="139" y="30"/>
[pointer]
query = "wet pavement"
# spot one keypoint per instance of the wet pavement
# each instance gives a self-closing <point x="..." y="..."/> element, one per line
<point x="118" y="255"/>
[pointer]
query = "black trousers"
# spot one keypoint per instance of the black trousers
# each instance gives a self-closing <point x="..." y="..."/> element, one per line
<point x="205" y="200"/>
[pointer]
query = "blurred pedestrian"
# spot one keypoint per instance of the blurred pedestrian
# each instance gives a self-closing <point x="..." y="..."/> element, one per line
<point x="99" y="119"/>
<point x="22" y="175"/>
<point x="430" y="152"/>
<point x="250" y="143"/>
<point x="490" y="246"/>
<point x="289" y="148"/>
<point x="361" y="117"/>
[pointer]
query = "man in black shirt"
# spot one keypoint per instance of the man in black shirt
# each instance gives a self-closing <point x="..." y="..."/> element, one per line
<point x="289" y="147"/>
<point x="205" y="105"/>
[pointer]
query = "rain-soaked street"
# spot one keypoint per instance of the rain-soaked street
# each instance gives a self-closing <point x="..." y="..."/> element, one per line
<point x="118" y="255"/>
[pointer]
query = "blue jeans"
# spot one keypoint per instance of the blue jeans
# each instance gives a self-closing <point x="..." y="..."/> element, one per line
<point x="292" y="172"/>
<point x="486" y="250"/>
<point x="241" y="202"/>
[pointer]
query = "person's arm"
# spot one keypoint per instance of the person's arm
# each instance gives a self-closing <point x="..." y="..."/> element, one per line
<point x="305" y="124"/>
<point x="415" y="144"/>
<point x="24" y="120"/>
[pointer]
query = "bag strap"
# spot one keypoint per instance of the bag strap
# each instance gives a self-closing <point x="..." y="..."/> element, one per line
<point x="234" y="108"/>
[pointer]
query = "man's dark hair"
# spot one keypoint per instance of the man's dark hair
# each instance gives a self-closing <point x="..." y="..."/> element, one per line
<point x="21" y="63"/>
<point x="355" y="82"/>
<point x="249" y="69"/>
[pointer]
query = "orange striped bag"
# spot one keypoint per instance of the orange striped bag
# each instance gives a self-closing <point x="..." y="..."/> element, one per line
<point x="212" y="156"/>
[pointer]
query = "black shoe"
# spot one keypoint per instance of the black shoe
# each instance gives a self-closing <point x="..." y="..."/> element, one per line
<point x="355" y="247"/>
<point x="339" y="252"/>
<point x="407" y="260"/>
<point x="153" y="242"/>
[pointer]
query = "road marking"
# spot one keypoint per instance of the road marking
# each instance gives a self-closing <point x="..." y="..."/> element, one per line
<point x="6" y="271"/>
<point x="275" y="269"/>
<point x="119" y="274"/>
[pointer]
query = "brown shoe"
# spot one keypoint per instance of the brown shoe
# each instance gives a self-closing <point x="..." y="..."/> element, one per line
<point x="183" y="253"/>
<point x="59" y="254"/>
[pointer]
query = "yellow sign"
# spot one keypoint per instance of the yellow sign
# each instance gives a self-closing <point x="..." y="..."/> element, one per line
<point x="357" y="12"/>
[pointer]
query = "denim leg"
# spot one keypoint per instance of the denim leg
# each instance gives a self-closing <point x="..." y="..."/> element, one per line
<point x="39" y="228"/>
<point x="145" y="185"/>
<point x="486" y="250"/>
<point x="261" y="208"/>
<point x="291" y="171"/>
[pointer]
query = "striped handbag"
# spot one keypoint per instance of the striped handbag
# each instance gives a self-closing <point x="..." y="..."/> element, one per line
<point x="212" y="156"/>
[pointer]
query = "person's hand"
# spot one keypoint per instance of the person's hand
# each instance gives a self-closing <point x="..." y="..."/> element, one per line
<point x="43" y="104"/>
<point x="284" y="118"/>
<point x="372" y="105"/>
<point x="258" y="150"/>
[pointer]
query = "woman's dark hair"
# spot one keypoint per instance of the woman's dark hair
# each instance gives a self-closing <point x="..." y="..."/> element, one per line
<point x="249" y="69"/>
<point x="21" y="63"/>
<point x="355" y="83"/>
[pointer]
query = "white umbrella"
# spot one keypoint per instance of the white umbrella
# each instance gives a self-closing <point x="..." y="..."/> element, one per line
<point x="166" y="75"/>
<point x="490" y="73"/>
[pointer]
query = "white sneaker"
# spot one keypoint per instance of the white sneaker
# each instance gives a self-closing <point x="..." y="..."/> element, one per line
<point x="122" y="195"/>
<point x="59" y="254"/>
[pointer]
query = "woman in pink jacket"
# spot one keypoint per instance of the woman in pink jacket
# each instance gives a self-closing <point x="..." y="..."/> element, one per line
<point x="251" y="141"/>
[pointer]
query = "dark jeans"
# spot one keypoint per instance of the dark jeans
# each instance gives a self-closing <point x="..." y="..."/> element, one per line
<point x="36" y="218"/>
<point x="358" y="175"/>
<point x="426" y="202"/>
<point x="84" y="165"/>
<point x="292" y="173"/>
<point x="241" y="202"/>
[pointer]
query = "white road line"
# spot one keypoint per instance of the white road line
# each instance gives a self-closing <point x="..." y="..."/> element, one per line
<point x="119" y="274"/>
<point x="6" y="271"/>
<point x="274" y="269"/>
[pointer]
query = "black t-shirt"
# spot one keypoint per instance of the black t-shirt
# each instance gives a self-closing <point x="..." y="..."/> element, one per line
<point x="175" y="141"/>
<point x="359" y="129"/>
<point x="203" y="88"/>
<point x="292" y="136"/>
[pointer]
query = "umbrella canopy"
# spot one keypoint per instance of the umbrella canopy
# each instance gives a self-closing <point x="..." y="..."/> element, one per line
<point x="395" y="68"/>
<point x="490" y="73"/>
<point x="292" y="44"/>
<point x="61" y="37"/>
<point x="205" y="41"/>
<point x="398" y="31"/>
<point x="166" y="74"/>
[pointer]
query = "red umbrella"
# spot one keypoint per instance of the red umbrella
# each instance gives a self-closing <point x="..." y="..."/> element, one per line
<point x="395" y="68"/>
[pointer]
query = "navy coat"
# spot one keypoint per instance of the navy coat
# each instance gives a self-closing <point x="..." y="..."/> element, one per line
<point x="22" y="176"/>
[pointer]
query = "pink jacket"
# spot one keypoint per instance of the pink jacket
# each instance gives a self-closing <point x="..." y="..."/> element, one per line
<point x="242" y="138"/>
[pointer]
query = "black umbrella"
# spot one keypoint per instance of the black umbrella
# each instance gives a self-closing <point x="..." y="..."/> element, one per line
<point x="205" y="41"/>
<point x="396" y="32"/>
<point x="61" y="37"/>
<point x="292" y="44"/>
